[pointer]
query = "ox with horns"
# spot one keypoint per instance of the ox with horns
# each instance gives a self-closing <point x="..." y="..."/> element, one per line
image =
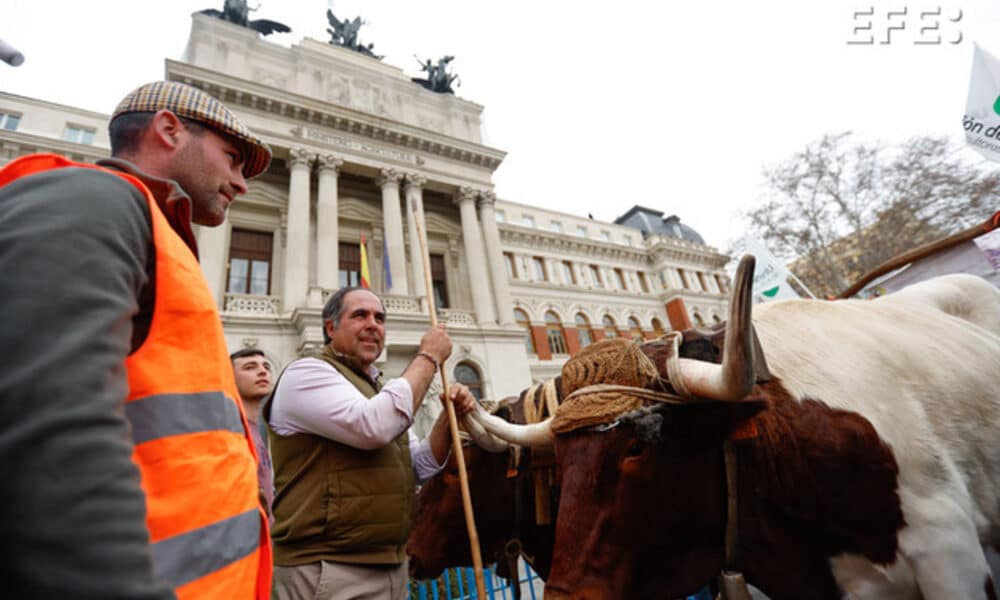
<point x="513" y="492"/>
<point x="867" y="467"/>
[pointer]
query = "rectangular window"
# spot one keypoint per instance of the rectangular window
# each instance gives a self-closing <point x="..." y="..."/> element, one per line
<point x="620" y="280"/>
<point x="595" y="276"/>
<point x="438" y="281"/>
<point x="349" y="269"/>
<point x="702" y="282"/>
<point x="556" y="226"/>
<point x="539" y="265"/>
<point x="721" y="282"/>
<point x="581" y="231"/>
<point x="643" y="283"/>
<point x="508" y="261"/>
<point x="9" y="121"/>
<point x="78" y="134"/>
<point x="569" y="277"/>
<point x="628" y="240"/>
<point x="606" y="236"/>
<point x="501" y="216"/>
<point x="527" y="220"/>
<point x="249" y="263"/>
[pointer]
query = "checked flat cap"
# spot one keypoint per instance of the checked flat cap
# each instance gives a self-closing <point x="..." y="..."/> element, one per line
<point x="195" y="105"/>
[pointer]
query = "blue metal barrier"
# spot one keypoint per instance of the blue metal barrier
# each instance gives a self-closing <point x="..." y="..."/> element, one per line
<point x="459" y="583"/>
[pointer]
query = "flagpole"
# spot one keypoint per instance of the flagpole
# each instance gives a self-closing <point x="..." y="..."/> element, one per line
<point x="456" y="442"/>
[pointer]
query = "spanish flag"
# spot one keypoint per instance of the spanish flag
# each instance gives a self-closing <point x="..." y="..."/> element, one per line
<point x="366" y="278"/>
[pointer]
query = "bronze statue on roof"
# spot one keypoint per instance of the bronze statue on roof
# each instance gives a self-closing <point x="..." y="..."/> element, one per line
<point x="238" y="13"/>
<point x="345" y="34"/>
<point x="438" y="78"/>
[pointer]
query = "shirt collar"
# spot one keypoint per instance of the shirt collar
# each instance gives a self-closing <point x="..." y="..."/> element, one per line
<point x="174" y="203"/>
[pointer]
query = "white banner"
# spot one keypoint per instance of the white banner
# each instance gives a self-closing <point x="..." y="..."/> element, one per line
<point x="989" y="243"/>
<point x="770" y="277"/>
<point x="982" y="109"/>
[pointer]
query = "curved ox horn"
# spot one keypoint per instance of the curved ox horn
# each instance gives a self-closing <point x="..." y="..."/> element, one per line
<point x="734" y="378"/>
<point x="534" y="435"/>
<point x="484" y="439"/>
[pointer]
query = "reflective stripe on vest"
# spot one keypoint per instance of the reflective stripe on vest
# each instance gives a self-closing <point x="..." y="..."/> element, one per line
<point x="164" y="415"/>
<point x="192" y="555"/>
<point x="209" y="535"/>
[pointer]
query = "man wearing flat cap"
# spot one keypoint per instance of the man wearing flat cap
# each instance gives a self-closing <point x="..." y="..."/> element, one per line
<point x="128" y="470"/>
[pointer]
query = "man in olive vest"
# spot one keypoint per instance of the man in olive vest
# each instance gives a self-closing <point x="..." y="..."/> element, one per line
<point x="345" y="461"/>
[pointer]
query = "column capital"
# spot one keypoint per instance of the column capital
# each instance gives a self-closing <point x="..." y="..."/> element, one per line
<point x="414" y="180"/>
<point x="467" y="194"/>
<point x="487" y="198"/>
<point x="329" y="162"/>
<point x="299" y="156"/>
<point x="388" y="176"/>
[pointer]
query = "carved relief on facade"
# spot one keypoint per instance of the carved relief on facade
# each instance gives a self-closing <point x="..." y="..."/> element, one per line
<point x="270" y="79"/>
<point x="338" y="91"/>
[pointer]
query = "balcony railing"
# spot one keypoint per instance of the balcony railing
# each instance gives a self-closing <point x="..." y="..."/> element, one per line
<point x="251" y="304"/>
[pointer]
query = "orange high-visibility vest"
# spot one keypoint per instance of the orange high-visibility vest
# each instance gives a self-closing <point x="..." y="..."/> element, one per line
<point x="208" y="532"/>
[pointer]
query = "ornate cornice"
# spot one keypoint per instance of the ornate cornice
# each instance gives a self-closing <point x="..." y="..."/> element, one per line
<point x="15" y="143"/>
<point x="535" y="239"/>
<point x="674" y="250"/>
<point x="313" y="116"/>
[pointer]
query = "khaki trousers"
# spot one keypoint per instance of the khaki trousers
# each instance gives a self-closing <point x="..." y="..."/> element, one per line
<point x="326" y="580"/>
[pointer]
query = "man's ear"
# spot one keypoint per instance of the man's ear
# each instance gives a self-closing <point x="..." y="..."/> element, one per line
<point x="328" y="327"/>
<point x="167" y="129"/>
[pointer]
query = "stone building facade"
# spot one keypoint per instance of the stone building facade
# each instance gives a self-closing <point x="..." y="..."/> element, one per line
<point x="362" y="152"/>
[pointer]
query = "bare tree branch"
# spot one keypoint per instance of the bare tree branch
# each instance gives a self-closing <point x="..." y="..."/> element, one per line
<point x="841" y="207"/>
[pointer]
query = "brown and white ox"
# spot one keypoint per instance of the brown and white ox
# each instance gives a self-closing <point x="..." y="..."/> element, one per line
<point x="867" y="468"/>
<point x="502" y="487"/>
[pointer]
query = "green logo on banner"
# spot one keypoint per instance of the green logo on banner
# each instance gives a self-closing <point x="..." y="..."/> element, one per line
<point x="996" y="105"/>
<point x="771" y="293"/>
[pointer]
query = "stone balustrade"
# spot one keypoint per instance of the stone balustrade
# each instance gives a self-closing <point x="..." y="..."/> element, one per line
<point x="251" y="304"/>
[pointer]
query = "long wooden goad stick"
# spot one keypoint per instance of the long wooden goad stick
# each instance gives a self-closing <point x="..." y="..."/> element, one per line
<point x="456" y="442"/>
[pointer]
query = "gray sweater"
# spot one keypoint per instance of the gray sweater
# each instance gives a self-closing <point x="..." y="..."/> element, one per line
<point x="76" y="262"/>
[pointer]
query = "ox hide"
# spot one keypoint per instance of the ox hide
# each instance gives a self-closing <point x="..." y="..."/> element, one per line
<point x="869" y="466"/>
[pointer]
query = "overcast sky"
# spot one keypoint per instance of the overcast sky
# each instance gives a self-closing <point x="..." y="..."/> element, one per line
<point x="600" y="106"/>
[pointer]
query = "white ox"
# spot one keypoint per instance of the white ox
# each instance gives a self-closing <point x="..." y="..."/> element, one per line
<point x="919" y="369"/>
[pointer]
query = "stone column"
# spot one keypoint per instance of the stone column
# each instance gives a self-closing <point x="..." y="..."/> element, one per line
<point x="389" y="180"/>
<point x="478" y="274"/>
<point x="413" y="189"/>
<point x="494" y="255"/>
<point x="297" y="231"/>
<point x="212" y="245"/>
<point x="327" y="237"/>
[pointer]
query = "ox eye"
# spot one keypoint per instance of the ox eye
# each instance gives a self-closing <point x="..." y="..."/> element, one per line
<point x="635" y="448"/>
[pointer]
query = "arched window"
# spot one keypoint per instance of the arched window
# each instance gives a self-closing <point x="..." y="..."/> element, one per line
<point x="554" y="332"/>
<point x="716" y="319"/>
<point x="610" y="329"/>
<point x="700" y="322"/>
<point x="634" y="329"/>
<point x="466" y="372"/>
<point x="583" y="330"/>
<point x="658" y="327"/>
<point x="522" y="319"/>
